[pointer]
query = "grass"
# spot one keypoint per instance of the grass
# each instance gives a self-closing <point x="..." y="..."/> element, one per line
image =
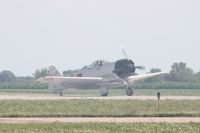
<point x="98" y="108"/>
<point x="101" y="128"/>
<point x="112" y="92"/>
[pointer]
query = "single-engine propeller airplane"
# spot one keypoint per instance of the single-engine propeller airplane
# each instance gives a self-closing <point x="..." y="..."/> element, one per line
<point x="100" y="74"/>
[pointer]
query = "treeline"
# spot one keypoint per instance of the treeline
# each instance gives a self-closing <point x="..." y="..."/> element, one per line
<point x="22" y="85"/>
<point x="8" y="80"/>
<point x="8" y="76"/>
<point x="179" y="73"/>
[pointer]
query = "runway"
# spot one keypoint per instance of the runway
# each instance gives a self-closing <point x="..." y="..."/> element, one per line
<point x="55" y="97"/>
<point x="102" y="119"/>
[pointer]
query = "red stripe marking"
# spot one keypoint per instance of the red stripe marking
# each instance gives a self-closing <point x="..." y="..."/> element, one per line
<point x="48" y="79"/>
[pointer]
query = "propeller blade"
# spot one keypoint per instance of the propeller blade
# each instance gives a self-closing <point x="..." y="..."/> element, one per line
<point x="124" y="52"/>
<point x="140" y="67"/>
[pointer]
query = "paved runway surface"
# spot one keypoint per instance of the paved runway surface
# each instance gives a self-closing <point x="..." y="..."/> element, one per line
<point x="102" y="119"/>
<point x="54" y="97"/>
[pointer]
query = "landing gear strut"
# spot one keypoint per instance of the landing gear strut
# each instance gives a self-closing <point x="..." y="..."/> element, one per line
<point x="104" y="91"/>
<point x="129" y="91"/>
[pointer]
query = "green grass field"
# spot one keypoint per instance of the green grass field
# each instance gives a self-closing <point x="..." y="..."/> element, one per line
<point x="101" y="108"/>
<point x="101" y="128"/>
<point x="112" y="92"/>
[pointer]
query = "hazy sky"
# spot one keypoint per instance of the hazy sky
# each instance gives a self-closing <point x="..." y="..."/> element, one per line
<point x="72" y="33"/>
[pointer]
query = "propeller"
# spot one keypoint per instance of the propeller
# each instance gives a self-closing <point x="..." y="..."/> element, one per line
<point x="126" y="56"/>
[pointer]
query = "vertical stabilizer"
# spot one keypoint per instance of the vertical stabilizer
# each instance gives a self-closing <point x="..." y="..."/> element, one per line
<point x="53" y="71"/>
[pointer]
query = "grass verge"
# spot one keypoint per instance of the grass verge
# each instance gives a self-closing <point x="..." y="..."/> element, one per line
<point x="101" y="128"/>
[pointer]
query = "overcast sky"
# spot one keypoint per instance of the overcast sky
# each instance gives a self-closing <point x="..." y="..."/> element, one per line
<point x="72" y="33"/>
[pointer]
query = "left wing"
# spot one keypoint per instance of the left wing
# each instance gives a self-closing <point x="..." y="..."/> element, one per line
<point x="131" y="79"/>
<point x="73" y="82"/>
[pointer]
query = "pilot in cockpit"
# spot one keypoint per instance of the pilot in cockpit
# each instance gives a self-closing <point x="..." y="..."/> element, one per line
<point x="99" y="63"/>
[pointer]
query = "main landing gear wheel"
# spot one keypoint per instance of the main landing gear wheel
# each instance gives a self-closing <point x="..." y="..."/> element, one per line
<point x="104" y="91"/>
<point x="61" y="93"/>
<point x="129" y="91"/>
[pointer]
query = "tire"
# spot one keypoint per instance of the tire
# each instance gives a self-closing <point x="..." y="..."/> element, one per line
<point x="104" y="91"/>
<point x="129" y="91"/>
<point x="61" y="93"/>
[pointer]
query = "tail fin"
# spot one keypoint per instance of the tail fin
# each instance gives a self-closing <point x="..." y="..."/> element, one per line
<point x="53" y="71"/>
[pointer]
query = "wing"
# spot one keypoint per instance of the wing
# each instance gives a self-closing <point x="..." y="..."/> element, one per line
<point x="74" y="82"/>
<point x="131" y="79"/>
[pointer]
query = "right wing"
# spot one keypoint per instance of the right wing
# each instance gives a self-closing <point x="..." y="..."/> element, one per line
<point x="131" y="79"/>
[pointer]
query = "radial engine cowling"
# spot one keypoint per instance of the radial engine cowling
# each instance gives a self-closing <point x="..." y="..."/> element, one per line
<point x="124" y="68"/>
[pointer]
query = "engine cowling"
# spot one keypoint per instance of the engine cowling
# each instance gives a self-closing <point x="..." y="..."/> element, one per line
<point x="124" y="68"/>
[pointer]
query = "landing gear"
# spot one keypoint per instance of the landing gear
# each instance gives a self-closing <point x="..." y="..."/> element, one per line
<point x="104" y="91"/>
<point x="129" y="91"/>
<point x="61" y="93"/>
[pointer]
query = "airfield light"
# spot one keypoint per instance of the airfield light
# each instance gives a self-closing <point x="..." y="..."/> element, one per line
<point x="158" y="103"/>
<point x="158" y="96"/>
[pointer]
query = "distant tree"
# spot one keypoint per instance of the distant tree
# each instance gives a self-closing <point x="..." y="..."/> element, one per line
<point x="154" y="70"/>
<point x="7" y="76"/>
<point x="50" y="71"/>
<point x="181" y="68"/>
<point x="41" y="73"/>
<point x="25" y="79"/>
<point x="70" y="73"/>
<point x="197" y="77"/>
<point x="180" y="73"/>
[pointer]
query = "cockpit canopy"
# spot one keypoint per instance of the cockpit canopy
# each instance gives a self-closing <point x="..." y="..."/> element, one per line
<point x="97" y="63"/>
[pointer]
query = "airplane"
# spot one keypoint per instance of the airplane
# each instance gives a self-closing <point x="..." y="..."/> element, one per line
<point x="100" y="74"/>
